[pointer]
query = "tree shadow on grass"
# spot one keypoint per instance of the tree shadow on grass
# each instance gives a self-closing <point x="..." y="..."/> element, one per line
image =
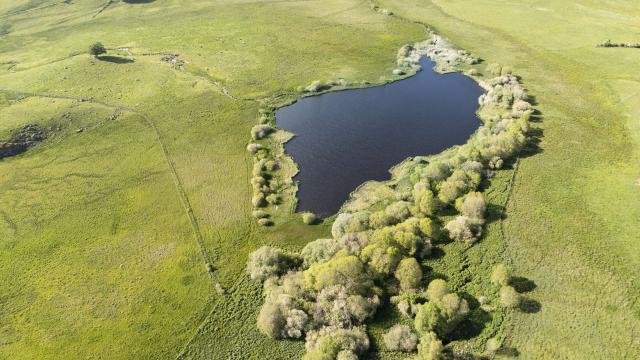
<point x="508" y="352"/>
<point x="532" y="147"/>
<point x="522" y="284"/>
<point x="138" y="1"/>
<point x="474" y="324"/>
<point x="115" y="59"/>
<point x="530" y="306"/>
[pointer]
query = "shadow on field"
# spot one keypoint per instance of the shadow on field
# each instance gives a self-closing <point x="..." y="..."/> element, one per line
<point x="522" y="284"/>
<point x="474" y="324"/>
<point x="138" y="1"/>
<point x="530" y="306"/>
<point x="532" y="147"/>
<point x="115" y="59"/>
<point x="495" y="212"/>
<point x="508" y="352"/>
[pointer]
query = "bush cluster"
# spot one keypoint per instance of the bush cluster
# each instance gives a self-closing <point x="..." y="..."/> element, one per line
<point x="329" y="291"/>
<point x="265" y="187"/>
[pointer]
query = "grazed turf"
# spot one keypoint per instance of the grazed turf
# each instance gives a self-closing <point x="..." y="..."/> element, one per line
<point x="98" y="257"/>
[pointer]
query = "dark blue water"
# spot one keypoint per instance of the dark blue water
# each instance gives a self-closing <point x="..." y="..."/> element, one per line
<point x="348" y="137"/>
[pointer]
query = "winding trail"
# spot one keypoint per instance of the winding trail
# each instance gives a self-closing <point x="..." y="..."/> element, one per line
<point x="177" y="182"/>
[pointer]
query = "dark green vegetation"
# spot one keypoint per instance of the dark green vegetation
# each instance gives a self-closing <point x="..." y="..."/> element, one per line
<point x="126" y="232"/>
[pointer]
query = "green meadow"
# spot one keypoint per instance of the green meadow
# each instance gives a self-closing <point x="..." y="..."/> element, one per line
<point x="126" y="233"/>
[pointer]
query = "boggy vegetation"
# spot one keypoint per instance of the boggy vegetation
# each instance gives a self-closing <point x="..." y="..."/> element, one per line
<point x="378" y="252"/>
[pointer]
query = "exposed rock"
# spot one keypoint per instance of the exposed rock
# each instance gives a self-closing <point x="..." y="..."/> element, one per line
<point x="21" y="140"/>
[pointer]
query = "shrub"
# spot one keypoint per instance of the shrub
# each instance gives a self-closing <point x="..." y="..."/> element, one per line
<point x="493" y="345"/>
<point x="309" y="218"/>
<point x="441" y="316"/>
<point x="494" y="69"/>
<point x="354" y="242"/>
<point x="260" y="131"/>
<point x="258" y="181"/>
<point x="509" y="297"/>
<point x="407" y="303"/>
<point x="270" y="165"/>
<point x="437" y="171"/>
<point x="472" y="72"/>
<point x="334" y="306"/>
<point x="429" y="228"/>
<point x="398" y="211"/>
<point x="430" y="347"/>
<point x="332" y="343"/>
<point x="258" y="200"/>
<point x="253" y="148"/>
<point x="400" y="338"/>
<point x="319" y="251"/>
<point x="348" y="271"/>
<point x="259" y="214"/>
<point x="349" y="223"/>
<point x="267" y="262"/>
<point x="97" y="49"/>
<point x="380" y="219"/>
<point x="265" y="222"/>
<point x="296" y="322"/>
<point x="496" y="163"/>
<point x="409" y="274"/>
<point x="500" y="275"/>
<point x="521" y="105"/>
<point x="258" y="168"/>
<point x="463" y="229"/>
<point x="316" y="86"/>
<point x="450" y="191"/>
<point x="381" y="259"/>
<point x="426" y="201"/>
<point x="270" y="321"/>
<point x="273" y="199"/>
<point x="437" y="289"/>
<point x="474" y="207"/>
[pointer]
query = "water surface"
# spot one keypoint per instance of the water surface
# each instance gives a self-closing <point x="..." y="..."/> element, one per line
<point x="348" y="137"/>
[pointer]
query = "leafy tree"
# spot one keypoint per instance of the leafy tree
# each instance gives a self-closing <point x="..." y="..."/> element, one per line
<point x="347" y="271"/>
<point x="429" y="228"/>
<point x="409" y="274"/>
<point x="474" y="207"/>
<point x="309" y="218"/>
<point x="270" y="321"/>
<point x="426" y="201"/>
<point x="97" y="49"/>
<point x="267" y="262"/>
<point x="319" y="251"/>
<point x="333" y="344"/>
<point x="463" y="229"/>
<point x="430" y="347"/>
<point x="509" y="297"/>
<point x="500" y="275"/>
<point x="400" y="338"/>
<point x="441" y="316"/>
<point x="437" y="289"/>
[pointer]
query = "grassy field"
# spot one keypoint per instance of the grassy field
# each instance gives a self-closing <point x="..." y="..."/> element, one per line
<point x="102" y="230"/>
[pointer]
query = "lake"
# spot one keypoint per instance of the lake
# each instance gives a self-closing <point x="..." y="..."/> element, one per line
<point x="348" y="137"/>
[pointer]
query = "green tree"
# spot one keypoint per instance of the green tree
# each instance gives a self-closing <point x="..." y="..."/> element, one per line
<point x="430" y="347"/>
<point x="97" y="49"/>
<point x="409" y="274"/>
